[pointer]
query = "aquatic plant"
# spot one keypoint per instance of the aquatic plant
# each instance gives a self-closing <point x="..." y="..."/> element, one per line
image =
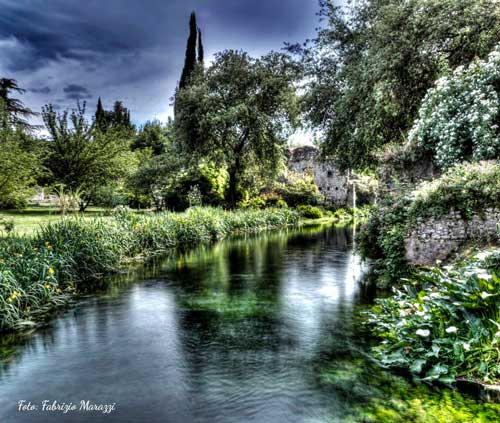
<point x="444" y="323"/>
<point x="39" y="273"/>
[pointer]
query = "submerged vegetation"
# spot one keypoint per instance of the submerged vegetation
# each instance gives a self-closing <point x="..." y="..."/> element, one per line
<point x="382" y="397"/>
<point x="42" y="272"/>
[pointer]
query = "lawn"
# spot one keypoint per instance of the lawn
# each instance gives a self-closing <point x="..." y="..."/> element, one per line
<point x="28" y="220"/>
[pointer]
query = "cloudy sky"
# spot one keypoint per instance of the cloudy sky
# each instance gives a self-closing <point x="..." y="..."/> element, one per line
<point x="131" y="50"/>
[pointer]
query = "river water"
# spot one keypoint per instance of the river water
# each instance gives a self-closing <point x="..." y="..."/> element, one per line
<point x="261" y="330"/>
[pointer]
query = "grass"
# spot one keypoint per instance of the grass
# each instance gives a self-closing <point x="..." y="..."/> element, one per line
<point x="27" y="221"/>
<point x="43" y="271"/>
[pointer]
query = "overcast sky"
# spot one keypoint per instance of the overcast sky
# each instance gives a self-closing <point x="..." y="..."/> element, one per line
<point x="132" y="50"/>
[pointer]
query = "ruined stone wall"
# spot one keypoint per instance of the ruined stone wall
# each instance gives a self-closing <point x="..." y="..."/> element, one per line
<point x="438" y="239"/>
<point x="329" y="180"/>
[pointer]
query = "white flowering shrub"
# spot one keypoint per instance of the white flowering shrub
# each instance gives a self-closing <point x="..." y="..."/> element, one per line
<point x="459" y="116"/>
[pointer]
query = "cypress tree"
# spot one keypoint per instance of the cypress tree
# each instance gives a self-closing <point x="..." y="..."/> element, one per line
<point x="101" y="119"/>
<point x="190" y="61"/>
<point x="201" y="53"/>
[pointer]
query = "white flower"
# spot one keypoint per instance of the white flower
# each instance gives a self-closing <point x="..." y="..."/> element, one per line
<point x="466" y="346"/>
<point x="423" y="332"/>
<point x="485" y="276"/>
<point x="451" y="329"/>
<point x="485" y="295"/>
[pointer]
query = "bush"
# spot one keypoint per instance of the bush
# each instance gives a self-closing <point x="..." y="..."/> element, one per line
<point x="7" y="224"/>
<point x="253" y="203"/>
<point x="444" y="323"/>
<point x="310" y="212"/>
<point x="459" y="118"/>
<point x="299" y="190"/>
<point x="282" y="204"/>
<point x="40" y="273"/>
<point x="109" y="197"/>
<point x="466" y="188"/>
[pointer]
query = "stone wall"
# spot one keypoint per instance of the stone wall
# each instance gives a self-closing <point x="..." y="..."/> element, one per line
<point x="439" y="239"/>
<point x="329" y="180"/>
<point x="402" y="169"/>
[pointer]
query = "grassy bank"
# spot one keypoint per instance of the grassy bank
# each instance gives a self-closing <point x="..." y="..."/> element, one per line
<point x="44" y="271"/>
<point x="27" y="221"/>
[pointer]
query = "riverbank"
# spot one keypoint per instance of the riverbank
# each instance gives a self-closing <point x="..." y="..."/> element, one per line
<point x="44" y="272"/>
<point x="443" y="324"/>
<point x="271" y="320"/>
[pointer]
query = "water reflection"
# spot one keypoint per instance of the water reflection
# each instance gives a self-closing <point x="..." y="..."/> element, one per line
<point x="250" y="330"/>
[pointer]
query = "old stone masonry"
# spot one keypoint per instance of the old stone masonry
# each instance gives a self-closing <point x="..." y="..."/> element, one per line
<point x="329" y="180"/>
<point x="438" y="239"/>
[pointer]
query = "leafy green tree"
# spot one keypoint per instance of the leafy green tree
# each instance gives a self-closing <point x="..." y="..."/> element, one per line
<point x="239" y="114"/>
<point x="19" y="165"/>
<point x="80" y="156"/>
<point x="165" y="180"/>
<point x="154" y="135"/>
<point x="118" y="118"/>
<point x="373" y="62"/>
<point x="101" y="117"/>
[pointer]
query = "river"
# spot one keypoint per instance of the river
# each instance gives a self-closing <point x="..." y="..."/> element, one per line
<point x="263" y="329"/>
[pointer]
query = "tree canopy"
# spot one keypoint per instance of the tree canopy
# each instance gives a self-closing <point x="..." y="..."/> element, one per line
<point x="80" y="156"/>
<point x="372" y="63"/>
<point x="239" y="113"/>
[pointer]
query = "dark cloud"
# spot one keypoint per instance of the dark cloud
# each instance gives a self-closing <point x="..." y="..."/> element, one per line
<point x="76" y="92"/>
<point x="42" y="90"/>
<point x="130" y="50"/>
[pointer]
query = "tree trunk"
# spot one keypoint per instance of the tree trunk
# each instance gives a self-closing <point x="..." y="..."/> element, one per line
<point x="232" y="192"/>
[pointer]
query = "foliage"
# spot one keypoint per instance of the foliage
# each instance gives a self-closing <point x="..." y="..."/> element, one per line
<point x="459" y="117"/>
<point x="67" y="200"/>
<point x="373" y="61"/>
<point x="17" y="112"/>
<point x="194" y="197"/>
<point x="466" y="188"/>
<point x="238" y="114"/>
<point x="116" y="119"/>
<point x="376" y="396"/>
<point x="81" y="157"/>
<point x="350" y="216"/>
<point x="154" y="135"/>
<point x="8" y="224"/>
<point x="19" y="165"/>
<point x="299" y="189"/>
<point x="166" y="179"/>
<point x="111" y="196"/>
<point x="193" y="42"/>
<point x="310" y="212"/>
<point x="41" y="272"/>
<point x="444" y="323"/>
<point x="367" y="188"/>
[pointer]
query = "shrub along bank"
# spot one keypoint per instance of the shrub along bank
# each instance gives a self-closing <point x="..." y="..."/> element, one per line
<point x="466" y="188"/>
<point x="43" y="272"/>
<point x="444" y="323"/>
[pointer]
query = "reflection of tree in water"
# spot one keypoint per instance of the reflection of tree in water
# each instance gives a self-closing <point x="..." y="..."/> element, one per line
<point x="238" y="334"/>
